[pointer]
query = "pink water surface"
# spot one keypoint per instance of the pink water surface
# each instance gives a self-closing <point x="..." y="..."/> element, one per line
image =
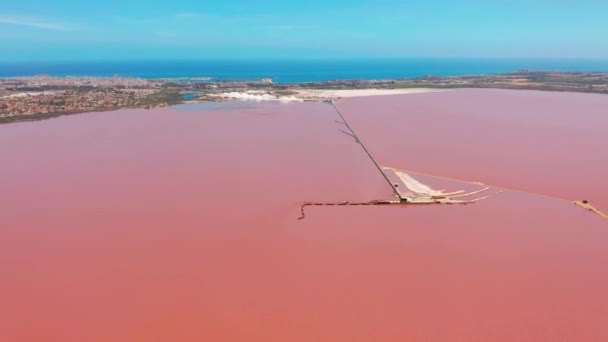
<point x="169" y="225"/>
<point x="544" y="142"/>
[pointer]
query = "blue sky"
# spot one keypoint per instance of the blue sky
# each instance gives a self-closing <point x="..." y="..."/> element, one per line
<point x="188" y="29"/>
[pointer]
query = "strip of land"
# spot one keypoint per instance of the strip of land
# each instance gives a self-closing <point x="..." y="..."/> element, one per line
<point x="40" y="97"/>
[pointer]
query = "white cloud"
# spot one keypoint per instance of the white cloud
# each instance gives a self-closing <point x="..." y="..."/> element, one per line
<point x="44" y="24"/>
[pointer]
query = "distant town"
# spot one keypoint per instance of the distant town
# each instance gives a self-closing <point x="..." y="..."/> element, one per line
<point x="43" y="96"/>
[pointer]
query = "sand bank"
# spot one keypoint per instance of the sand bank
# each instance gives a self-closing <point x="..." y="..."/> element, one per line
<point x="256" y="96"/>
<point x="318" y="94"/>
<point x="336" y="93"/>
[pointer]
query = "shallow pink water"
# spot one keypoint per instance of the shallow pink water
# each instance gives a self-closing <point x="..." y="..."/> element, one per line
<point x="162" y="225"/>
<point x="543" y="142"/>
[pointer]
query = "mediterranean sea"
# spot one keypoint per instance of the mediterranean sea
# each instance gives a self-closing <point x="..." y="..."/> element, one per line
<point x="285" y="71"/>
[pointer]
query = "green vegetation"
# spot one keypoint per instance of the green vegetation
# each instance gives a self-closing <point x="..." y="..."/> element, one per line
<point x="168" y="95"/>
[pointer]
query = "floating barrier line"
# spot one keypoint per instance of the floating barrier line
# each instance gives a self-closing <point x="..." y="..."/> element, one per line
<point x="579" y="203"/>
<point x="489" y="185"/>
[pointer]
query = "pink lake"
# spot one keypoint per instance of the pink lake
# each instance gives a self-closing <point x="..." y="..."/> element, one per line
<point x="548" y="143"/>
<point x="181" y="224"/>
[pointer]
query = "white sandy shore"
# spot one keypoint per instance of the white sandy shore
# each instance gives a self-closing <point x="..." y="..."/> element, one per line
<point x="257" y="96"/>
<point x="320" y="94"/>
<point x="329" y="93"/>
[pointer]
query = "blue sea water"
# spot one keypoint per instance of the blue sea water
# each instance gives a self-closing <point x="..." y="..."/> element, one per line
<point x="298" y="70"/>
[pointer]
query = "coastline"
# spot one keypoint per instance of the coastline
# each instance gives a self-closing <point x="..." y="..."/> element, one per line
<point x="42" y="97"/>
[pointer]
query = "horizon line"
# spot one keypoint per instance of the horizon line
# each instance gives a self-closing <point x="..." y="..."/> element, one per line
<point x="269" y="58"/>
